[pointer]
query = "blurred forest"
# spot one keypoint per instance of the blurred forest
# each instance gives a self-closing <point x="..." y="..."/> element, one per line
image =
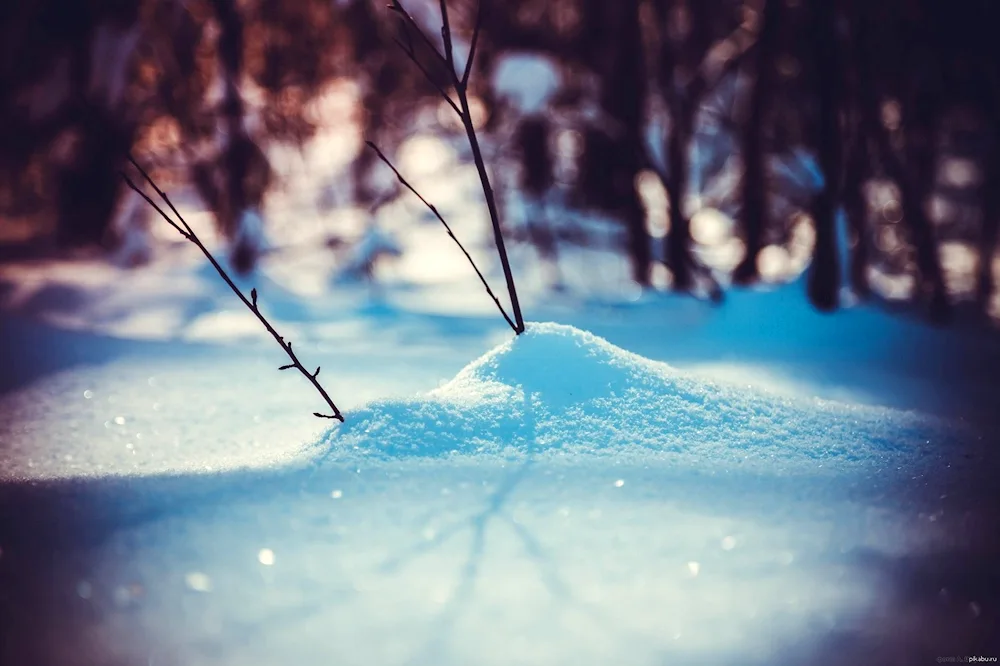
<point x="714" y="142"/>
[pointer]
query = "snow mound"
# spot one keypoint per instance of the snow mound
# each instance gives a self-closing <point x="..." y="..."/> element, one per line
<point x="560" y="391"/>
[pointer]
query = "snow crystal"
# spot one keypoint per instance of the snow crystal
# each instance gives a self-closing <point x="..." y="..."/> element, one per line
<point x="557" y="390"/>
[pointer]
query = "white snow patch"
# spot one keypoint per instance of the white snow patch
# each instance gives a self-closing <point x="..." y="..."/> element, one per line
<point x="526" y="80"/>
<point x="558" y="390"/>
<point x="362" y="259"/>
<point x="250" y="231"/>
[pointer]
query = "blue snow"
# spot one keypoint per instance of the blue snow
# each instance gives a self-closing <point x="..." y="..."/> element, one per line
<point x="557" y="390"/>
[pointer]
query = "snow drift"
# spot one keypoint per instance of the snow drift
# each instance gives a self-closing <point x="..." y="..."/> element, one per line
<point x="559" y="391"/>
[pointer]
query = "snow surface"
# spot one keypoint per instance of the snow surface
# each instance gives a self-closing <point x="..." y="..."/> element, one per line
<point x="559" y="391"/>
<point x="793" y="488"/>
<point x="623" y="512"/>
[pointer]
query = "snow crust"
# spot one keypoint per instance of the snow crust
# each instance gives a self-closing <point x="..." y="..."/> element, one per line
<point x="558" y="390"/>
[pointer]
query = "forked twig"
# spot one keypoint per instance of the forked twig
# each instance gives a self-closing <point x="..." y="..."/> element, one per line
<point x="408" y="50"/>
<point x="473" y="44"/>
<point x="185" y="230"/>
<point x="449" y="54"/>
<point x="461" y="85"/>
<point x="447" y="228"/>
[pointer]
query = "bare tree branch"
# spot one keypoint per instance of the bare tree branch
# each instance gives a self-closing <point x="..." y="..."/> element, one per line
<point x="188" y="233"/>
<point x="438" y="215"/>
<point x="449" y="53"/>
<point x="465" y="113"/>
<point x="408" y="50"/>
<point x="410" y="23"/>
<point x="128" y="181"/>
<point x="473" y="44"/>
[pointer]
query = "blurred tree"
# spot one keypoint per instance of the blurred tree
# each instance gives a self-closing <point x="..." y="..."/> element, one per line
<point x="108" y="77"/>
<point x="792" y="116"/>
<point x="754" y="209"/>
<point x="824" y="283"/>
<point x="613" y="149"/>
<point x="687" y="69"/>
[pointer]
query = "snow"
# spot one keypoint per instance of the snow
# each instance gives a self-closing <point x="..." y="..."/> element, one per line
<point x="250" y="232"/>
<point x="559" y="391"/>
<point x="131" y="225"/>
<point x="362" y="258"/>
<point x="653" y="480"/>
<point x="557" y="500"/>
<point x="527" y="81"/>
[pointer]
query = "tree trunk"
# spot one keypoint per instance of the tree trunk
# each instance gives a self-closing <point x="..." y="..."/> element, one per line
<point x="532" y="141"/>
<point x="920" y="127"/>
<point x="88" y="187"/>
<point x="754" y="210"/>
<point x="245" y="167"/>
<point x="379" y="80"/>
<point x="859" y="157"/>
<point x="990" y="195"/>
<point x="623" y="98"/>
<point x="824" y="277"/>
<point x="856" y="212"/>
<point x="231" y="57"/>
<point x="677" y="248"/>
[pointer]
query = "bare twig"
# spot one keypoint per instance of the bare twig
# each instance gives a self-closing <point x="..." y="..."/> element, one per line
<point x="460" y="84"/>
<point x="412" y="24"/>
<point x="449" y="53"/>
<point x="188" y="233"/>
<point x="408" y="50"/>
<point x="447" y="228"/>
<point x="472" y="45"/>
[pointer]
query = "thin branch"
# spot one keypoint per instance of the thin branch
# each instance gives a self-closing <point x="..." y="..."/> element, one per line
<point x="408" y="50"/>
<point x="473" y="44"/>
<point x="160" y="193"/>
<point x="449" y="53"/>
<point x="447" y="228"/>
<point x="188" y="233"/>
<point x="410" y="22"/>
<point x="152" y="203"/>
<point x="409" y="27"/>
<point x="465" y="113"/>
<point x="491" y="205"/>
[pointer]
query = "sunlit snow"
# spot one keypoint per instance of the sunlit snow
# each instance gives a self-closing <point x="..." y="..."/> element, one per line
<point x="560" y="391"/>
<point x="558" y="500"/>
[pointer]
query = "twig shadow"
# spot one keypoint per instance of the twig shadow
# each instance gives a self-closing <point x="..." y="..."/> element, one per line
<point x="496" y="509"/>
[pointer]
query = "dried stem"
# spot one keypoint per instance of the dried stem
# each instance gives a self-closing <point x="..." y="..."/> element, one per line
<point x="446" y="37"/>
<point x="447" y="228"/>
<point x="461" y="86"/>
<point x="185" y="230"/>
